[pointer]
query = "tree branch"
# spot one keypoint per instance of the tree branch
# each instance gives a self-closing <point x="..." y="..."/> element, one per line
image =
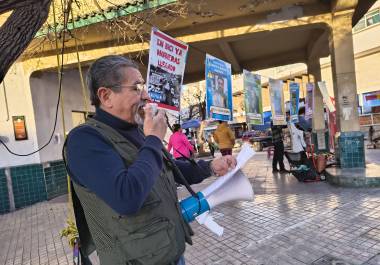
<point x="19" y="30"/>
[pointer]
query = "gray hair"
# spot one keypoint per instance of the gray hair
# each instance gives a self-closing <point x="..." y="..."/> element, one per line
<point x="107" y="72"/>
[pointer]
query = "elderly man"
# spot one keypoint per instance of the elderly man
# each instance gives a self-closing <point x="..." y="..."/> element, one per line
<point x="124" y="191"/>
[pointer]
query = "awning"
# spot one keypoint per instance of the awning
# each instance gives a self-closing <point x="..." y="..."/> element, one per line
<point x="190" y="124"/>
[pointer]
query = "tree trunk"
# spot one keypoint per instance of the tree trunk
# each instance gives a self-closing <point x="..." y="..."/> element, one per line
<point x="7" y="5"/>
<point x="202" y="110"/>
<point x="19" y="29"/>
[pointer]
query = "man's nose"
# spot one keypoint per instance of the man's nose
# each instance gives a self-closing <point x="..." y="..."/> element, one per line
<point x="145" y="95"/>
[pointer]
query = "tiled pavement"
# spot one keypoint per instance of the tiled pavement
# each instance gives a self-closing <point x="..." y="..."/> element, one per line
<point x="288" y="223"/>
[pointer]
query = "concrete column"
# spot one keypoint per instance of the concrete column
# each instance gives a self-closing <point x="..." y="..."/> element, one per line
<point x="343" y="73"/>
<point x="314" y="70"/>
<point x="350" y="144"/>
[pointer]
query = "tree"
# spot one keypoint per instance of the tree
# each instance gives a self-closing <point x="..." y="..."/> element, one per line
<point x="193" y="98"/>
<point x="20" y="28"/>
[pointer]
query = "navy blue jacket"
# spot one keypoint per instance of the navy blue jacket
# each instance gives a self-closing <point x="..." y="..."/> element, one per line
<point x="95" y="164"/>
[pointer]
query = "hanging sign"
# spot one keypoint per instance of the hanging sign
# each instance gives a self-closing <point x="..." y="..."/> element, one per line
<point x="218" y="89"/>
<point x="277" y="101"/>
<point x="294" y="90"/>
<point x="325" y="94"/>
<point x="309" y="101"/>
<point x="167" y="60"/>
<point x="252" y="98"/>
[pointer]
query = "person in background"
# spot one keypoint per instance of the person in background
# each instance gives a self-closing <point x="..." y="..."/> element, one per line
<point x="298" y="142"/>
<point x="211" y="146"/>
<point x="278" y="155"/>
<point x="225" y="138"/>
<point x="370" y="134"/>
<point x="182" y="148"/>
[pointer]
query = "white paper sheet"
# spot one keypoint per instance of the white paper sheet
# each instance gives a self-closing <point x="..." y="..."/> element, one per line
<point x="216" y="188"/>
<point x="242" y="158"/>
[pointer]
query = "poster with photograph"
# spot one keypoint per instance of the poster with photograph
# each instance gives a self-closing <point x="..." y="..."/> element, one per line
<point x="309" y="101"/>
<point x="218" y="89"/>
<point x="294" y="91"/>
<point x="277" y="101"/>
<point x="252" y="98"/>
<point x="167" y="60"/>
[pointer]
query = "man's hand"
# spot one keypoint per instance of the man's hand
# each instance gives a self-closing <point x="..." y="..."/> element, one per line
<point x="222" y="165"/>
<point x="154" y="125"/>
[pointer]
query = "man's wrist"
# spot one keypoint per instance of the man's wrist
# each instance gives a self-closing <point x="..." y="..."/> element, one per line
<point x="211" y="169"/>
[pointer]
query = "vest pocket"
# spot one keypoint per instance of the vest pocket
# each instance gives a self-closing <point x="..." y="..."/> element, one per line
<point x="153" y="243"/>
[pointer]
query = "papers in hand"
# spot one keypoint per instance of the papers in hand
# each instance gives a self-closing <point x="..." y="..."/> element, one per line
<point x="230" y="187"/>
<point x="242" y="158"/>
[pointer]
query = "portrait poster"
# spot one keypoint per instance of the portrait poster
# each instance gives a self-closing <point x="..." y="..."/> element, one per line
<point x="19" y="128"/>
<point x="218" y="89"/>
<point x="252" y="98"/>
<point x="167" y="60"/>
<point x="326" y="97"/>
<point x="309" y="101"/>
<point x="294" y="98"/>
<point x="277" y="101"/>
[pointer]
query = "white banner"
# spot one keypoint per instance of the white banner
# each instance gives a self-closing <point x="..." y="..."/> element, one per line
<point x="167" y="60"/>
<point x="326" y="97"/>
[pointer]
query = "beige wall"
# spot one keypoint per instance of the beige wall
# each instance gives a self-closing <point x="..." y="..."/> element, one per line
<point x="44" y="89"/>
<point x="19" y="104"/>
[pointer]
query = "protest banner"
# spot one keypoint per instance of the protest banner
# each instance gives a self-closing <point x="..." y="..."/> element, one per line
<point x="326" y="97"/>
<point x="277" y="101"/>
<point x="309" y="101"/>
<point x="218" y="89"/>
<point x="252" y="98"/>
<point x="294" y="90"/>
<point x="167" y="60"/>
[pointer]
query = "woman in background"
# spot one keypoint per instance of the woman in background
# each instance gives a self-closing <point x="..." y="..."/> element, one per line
<point x="182" y="148"/>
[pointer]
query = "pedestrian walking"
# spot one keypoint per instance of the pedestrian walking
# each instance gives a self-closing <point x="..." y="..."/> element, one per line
<point x="225" y="138"/>
<point x="181" y="146"/>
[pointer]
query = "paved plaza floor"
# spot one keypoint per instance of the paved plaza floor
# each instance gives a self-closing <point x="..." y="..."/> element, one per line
<point x="287" y="223"/>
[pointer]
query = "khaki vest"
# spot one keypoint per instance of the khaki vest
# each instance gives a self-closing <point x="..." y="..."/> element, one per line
<point x="155" y="235"/>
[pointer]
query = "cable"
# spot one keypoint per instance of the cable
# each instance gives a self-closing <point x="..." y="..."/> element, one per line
<point x="57" y="105"/>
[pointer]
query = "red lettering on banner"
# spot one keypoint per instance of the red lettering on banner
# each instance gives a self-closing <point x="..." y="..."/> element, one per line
<point x="178" y="51"/>
<point x="166" y="65"/>
<point x="160" y="43"/>
<point x="169" y="47"/>
<point x="168" y="56"/>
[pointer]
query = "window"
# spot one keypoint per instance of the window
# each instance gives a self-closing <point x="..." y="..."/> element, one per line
<point x="371" y="18"/>
<point x="360" y="25"/>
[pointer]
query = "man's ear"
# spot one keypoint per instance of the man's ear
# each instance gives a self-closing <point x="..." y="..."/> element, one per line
<point x="104" y="95"/>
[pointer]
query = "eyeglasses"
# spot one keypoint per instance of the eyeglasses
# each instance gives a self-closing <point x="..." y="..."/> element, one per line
<point x="139" y="88"/>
